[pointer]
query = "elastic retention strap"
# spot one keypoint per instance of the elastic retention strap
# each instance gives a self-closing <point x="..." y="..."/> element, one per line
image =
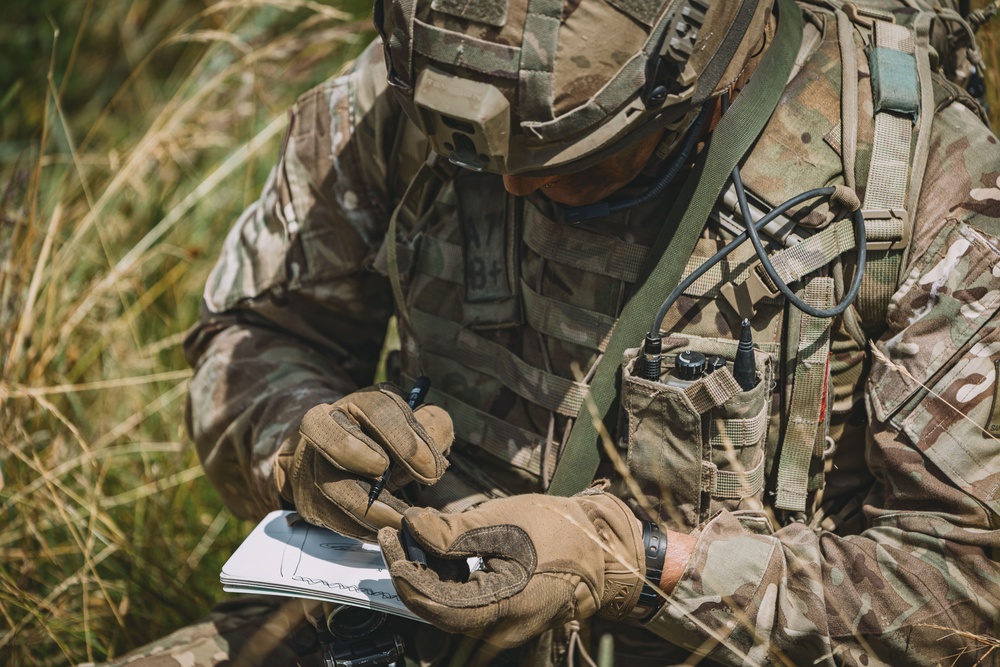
<point x="730" y="141"/>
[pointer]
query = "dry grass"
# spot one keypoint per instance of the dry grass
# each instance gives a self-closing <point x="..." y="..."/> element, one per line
<point x="150" y="126"/>
<point x="110" y="219"/>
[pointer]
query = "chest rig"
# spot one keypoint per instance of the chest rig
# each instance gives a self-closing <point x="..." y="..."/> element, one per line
<point x="510" y="311"/>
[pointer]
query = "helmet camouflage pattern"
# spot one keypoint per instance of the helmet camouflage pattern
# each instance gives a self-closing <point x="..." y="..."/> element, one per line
<point x="551" y="86"/>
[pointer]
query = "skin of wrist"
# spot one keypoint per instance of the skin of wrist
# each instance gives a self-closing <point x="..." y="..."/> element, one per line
<point x="680" y="547"/>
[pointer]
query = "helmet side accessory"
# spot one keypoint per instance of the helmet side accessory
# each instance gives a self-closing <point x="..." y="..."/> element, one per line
<point x="580" y="82"/>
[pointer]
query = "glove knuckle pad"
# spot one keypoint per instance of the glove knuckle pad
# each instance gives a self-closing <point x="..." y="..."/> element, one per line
<point x="384" y="418"/>
<point x="341" y="441"/>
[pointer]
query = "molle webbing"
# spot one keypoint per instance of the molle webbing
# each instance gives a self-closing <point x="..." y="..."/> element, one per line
<point x="817" y="251"/>
<point x="807" y="413"/>
<point x="732" y="484"/>
<point x="716" y="389"/>
<point x="793" y="263"/>
<point x="564" y="322"/>
<point x="736" y="270"/>
<point x="500" y="438"/>
<point x="729" y="143"/>
<point x="569" y="246"/>
<point x="443" y="260"/>
<point x="449" y="339"/>
<point x="583" y="250"/>
<point x="714" y="392"/>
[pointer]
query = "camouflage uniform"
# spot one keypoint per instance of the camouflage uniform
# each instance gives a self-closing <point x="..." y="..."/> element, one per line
<point x="253" y="631"/>
<point x="505" y="307"/>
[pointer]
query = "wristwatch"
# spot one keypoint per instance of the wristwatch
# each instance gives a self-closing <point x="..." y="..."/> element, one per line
<point x="654" y="542"/>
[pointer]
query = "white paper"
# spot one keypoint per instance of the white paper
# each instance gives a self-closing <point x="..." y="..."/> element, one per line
<point x="309" y="562"/>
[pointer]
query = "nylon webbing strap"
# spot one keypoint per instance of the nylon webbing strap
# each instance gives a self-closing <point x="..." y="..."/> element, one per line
<point x="587" y="251"/>
<point x="712" y="392"/>
<point x="451" y="340"/>
<point x="424" y="175"/>
<point x="730" y="141"/>
<point x="809" y="394"/>
<point x="815" y="252"/>
<point x="736" y="484"/>
<point x="896" y="99"/>
<point x="564" y="322"/>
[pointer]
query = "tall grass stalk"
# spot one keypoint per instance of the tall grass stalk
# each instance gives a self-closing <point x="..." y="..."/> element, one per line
<point x="113" y="206"/>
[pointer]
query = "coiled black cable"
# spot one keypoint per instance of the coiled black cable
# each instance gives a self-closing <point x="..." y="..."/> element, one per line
<point x="860" y="242"/>
<point x="758" y="225"/>
<point x="752" y="232"/>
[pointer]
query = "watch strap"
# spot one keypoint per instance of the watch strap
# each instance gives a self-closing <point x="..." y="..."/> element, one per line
<point x="654" y="542"/>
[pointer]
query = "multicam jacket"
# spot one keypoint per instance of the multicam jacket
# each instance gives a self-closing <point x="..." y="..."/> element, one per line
<point x="506" y="309"/>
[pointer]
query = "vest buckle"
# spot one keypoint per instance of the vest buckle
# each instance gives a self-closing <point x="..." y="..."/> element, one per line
<point x="744" y="297"/>
<point x="887" y="228"/>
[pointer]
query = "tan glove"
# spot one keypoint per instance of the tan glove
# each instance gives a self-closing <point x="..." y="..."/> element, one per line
<point x="547" y="561"/>
<point x="345" y="446"/>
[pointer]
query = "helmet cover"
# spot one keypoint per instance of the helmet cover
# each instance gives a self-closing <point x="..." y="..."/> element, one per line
<point x="551" y="86"/>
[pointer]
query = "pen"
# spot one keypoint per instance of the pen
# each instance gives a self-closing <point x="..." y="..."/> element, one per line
<point x="420" y="388"/>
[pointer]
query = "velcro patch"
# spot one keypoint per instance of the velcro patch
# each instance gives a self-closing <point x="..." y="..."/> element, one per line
<point x="894" y="81"/>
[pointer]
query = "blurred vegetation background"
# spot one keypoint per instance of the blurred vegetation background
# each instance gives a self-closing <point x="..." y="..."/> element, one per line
<point x="132" y="133"/>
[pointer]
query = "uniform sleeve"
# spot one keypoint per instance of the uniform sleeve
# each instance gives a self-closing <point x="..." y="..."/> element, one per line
<point x="292" y="314"/>
<point x="921" y="580"/>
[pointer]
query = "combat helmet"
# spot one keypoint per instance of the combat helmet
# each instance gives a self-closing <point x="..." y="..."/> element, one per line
<point x="551" y="86"/>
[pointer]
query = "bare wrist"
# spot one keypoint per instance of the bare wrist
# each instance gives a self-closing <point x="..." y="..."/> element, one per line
<point x="679" y="552"/>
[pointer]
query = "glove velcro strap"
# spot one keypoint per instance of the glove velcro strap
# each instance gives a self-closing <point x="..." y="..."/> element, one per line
<point x="623" y="567"/>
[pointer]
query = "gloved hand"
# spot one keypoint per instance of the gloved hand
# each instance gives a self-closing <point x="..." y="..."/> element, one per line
<point x="345" y="446"/>
<point x="547" y="561"/>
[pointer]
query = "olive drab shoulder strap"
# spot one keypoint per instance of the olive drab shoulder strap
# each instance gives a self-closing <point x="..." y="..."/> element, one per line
<point x="729" y="143"/>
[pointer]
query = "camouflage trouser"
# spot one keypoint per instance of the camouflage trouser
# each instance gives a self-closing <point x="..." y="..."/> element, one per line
<point x="262" y="631"/>
<point x="253" y="631"/>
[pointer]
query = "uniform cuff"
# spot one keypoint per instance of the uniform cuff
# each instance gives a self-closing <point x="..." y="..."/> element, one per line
<point x="714" y="606"/>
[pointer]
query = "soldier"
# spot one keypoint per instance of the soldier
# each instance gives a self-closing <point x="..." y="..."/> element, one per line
<point x="522" y="183"/>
